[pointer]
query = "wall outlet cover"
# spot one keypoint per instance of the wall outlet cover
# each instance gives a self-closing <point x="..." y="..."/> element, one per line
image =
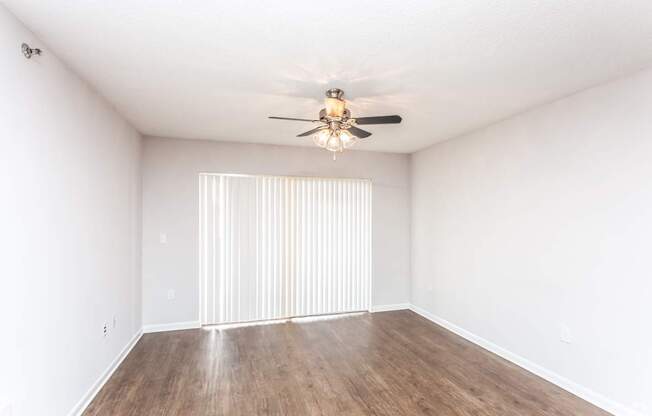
<point x="566" y="335"/>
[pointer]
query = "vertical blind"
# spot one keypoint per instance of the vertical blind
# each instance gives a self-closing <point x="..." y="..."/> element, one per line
<point x="278" y="247"/>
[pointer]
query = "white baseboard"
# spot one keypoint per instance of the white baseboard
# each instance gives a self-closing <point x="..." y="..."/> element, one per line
<point x="97" y="386"/>
<point x="175" y="326"/>
<point x="391" y="307"/>
<point x="566" y="384"/>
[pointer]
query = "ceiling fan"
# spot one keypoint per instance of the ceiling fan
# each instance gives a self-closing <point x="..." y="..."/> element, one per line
<point x="337" y="130"/>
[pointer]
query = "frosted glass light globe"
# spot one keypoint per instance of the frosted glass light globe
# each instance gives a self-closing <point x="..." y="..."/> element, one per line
<point x="322" y="137"/>
<point x="334" y="144"/>
<point x="347" y="139"/>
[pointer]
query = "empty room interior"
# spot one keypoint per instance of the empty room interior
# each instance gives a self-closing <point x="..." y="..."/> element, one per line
<point x="326" y="208"/>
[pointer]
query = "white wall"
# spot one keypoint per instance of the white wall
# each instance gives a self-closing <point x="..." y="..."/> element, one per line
<point x="170" y="202"/>
<point x="538" y="222"/>
<point x="69" y="221"/>
<point x="544" y="221"/>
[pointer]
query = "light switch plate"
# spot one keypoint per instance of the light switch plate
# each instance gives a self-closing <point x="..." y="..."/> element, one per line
<point x="163" y="238"/>
<point x="5" y="408"/>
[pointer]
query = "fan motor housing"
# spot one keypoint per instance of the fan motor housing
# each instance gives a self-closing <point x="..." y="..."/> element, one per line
<point x="325" y="118"/>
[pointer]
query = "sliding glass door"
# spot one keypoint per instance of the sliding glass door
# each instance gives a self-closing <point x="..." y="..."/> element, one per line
<point x="278" y="247"/>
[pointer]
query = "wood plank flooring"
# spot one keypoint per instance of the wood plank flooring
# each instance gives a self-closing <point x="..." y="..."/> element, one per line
<point x="389" y="363"/>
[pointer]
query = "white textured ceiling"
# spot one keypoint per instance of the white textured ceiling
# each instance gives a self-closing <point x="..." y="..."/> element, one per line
<point x="217" y="69"/>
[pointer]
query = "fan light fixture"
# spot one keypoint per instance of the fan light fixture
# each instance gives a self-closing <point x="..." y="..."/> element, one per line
<point x="334" y="140"/>
<point x="338" y="130"/>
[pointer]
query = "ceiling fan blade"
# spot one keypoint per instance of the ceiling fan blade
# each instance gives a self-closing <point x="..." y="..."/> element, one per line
<point x="293" y="119"/>
<point x="379" y="120"/>
<point x="359" y="133"/>
<point x="313" y="131"/>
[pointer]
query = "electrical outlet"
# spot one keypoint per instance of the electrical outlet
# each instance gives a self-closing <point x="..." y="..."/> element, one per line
<point x="565" y="334"/>
<point x="115" y="321"/>
<point x="171" y="294"/>
<point x="105" y="329"/>
<point x="163" y="238"/>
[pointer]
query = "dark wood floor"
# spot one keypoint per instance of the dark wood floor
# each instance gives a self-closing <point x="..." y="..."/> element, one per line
<point x="390" y="363"/>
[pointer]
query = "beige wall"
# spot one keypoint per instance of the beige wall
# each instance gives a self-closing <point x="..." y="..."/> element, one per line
<point x="544" y="222"/>
<point x="170" y="199"/>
